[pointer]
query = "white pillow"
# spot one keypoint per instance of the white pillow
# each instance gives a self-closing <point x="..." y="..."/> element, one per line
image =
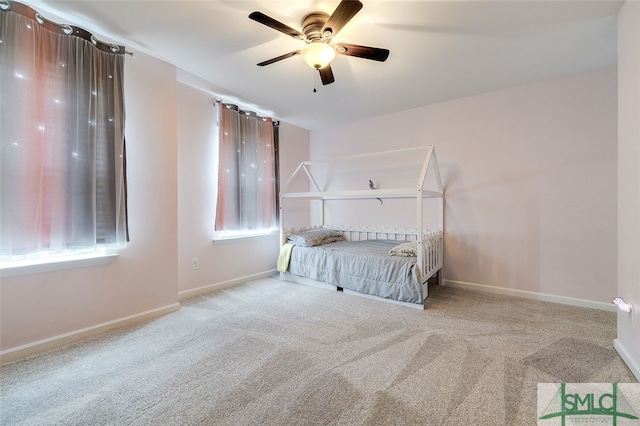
<point x="404" y="250"/>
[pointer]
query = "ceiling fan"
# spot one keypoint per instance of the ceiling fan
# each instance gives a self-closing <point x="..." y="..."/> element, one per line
<point x="318" y="29"/>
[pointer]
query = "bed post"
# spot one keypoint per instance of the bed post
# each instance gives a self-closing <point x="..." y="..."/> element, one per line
<point x="419" y="215"/>
<point x="281" y="220"/>
<point x="419" y="236"/>
<point x="440" y="250"/>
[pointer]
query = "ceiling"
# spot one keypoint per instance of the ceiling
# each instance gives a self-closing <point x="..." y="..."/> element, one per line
<point x="440" y="50"/>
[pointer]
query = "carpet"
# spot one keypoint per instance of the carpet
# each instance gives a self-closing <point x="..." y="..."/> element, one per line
<point x="271" y="352"/>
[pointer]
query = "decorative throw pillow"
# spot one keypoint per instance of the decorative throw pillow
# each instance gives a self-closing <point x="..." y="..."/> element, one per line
<point x="315" y="237"/>
<point x="404" y="249"/>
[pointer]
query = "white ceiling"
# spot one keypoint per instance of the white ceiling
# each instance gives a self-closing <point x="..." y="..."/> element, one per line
<point x="440" y="50"/>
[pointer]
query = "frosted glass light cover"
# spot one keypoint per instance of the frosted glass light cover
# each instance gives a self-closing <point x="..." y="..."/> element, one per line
<point x="318" y="55"/>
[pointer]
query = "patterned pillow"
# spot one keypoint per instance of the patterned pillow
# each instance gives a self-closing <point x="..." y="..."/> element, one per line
<point x="404" y="250"/>
<point x="315" y="237"/>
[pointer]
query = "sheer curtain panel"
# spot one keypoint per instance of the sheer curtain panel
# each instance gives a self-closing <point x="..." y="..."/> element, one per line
<point x="247" y="181"/>
<point x="63" y="177"/>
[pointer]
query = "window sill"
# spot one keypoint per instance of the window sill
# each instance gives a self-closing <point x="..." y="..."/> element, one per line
<point x="244" y="237"/>
<point x="57" y="265"/>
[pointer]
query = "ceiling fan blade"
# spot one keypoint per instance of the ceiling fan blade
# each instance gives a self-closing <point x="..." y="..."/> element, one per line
<point x="276" y="25"/>
<point x="343" y="14"/>
<point x="279" y="58"/>
<point x="326" y="75"/>
<point x="366" y="52"/>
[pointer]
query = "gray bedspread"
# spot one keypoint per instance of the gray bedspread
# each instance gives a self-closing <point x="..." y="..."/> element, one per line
<point x="362" y="266"/>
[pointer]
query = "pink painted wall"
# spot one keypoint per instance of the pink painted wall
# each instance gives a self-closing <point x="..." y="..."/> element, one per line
<point x="171" y="193"/>
<point x="144" y="277"/>
<point x="294" y="149"/>
<point x="629" y="179"/>
<point x="530" y="177"/>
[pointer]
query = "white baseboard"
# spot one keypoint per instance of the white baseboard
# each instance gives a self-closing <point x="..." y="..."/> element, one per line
<point x="572" y="301"/>
<point x="23" y="351"/>
<point x="627" y="358"/>
<point x="187" y="294"/>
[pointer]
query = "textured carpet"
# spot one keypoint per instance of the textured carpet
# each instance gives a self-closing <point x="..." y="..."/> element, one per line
<point x="276" y="353"/>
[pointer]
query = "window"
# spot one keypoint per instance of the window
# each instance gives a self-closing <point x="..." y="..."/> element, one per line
<point x="247" y="178"/>
<point x="62" y="164"/>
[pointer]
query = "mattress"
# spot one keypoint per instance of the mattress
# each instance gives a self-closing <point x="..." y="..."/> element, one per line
<point x="362" y="266"/>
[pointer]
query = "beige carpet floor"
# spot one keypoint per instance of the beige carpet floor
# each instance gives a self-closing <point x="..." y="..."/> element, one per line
<point x="277" y="353"/>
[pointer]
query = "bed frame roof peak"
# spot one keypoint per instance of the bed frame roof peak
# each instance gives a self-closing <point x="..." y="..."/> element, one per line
<point x="430" y="163"/>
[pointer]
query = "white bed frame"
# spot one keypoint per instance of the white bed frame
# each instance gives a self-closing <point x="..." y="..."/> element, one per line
<point x="430" y="259"/>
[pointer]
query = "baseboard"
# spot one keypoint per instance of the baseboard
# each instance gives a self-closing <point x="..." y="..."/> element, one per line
<point x="627" y="358"/>
<point x="187" y="294"/>
<point x="572" y="301"/>
<point x="23" y="351"/>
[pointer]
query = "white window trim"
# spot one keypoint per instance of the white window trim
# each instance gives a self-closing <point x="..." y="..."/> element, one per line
<point x="220" y="236"/>
<point x="59" y="264"/>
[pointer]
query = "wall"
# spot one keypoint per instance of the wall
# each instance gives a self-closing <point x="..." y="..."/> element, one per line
<point x="35" y="308"/>
<point x="628" y="341"/>
<point x="530" y="177"/>
<point x="222" y="263"/>
<point x="294" y="149"/>
<point x="171" y="208"/>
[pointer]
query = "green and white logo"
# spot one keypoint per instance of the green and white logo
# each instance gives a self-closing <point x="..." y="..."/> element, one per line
<point x="588" y="403"/>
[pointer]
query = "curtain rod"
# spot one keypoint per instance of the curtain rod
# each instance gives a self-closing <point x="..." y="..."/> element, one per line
<point x="24" y="10"/>
<point x="215" y="101"/>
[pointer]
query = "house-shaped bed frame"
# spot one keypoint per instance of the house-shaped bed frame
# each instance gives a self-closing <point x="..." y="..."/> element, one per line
<point x="428" y="186"/>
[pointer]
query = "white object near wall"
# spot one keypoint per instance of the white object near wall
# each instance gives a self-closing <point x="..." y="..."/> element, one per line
<point x="622" y="305"/>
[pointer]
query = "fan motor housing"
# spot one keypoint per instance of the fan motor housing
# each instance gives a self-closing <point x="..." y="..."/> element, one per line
<point x="312" y="25"/>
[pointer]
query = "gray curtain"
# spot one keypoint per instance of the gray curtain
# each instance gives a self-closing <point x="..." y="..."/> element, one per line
<point x="247" y="193"/>
<point x="63" y="175"/>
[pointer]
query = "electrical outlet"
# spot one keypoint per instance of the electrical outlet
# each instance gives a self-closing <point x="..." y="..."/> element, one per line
<point x="195" y="263"/>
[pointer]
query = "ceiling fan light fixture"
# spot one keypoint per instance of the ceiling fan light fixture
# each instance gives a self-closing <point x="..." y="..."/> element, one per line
<point x="318" y="54"/>
<point x="318" y="31"/>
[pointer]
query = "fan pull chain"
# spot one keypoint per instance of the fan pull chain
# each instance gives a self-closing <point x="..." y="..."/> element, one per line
<point x="315" y="82"/>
